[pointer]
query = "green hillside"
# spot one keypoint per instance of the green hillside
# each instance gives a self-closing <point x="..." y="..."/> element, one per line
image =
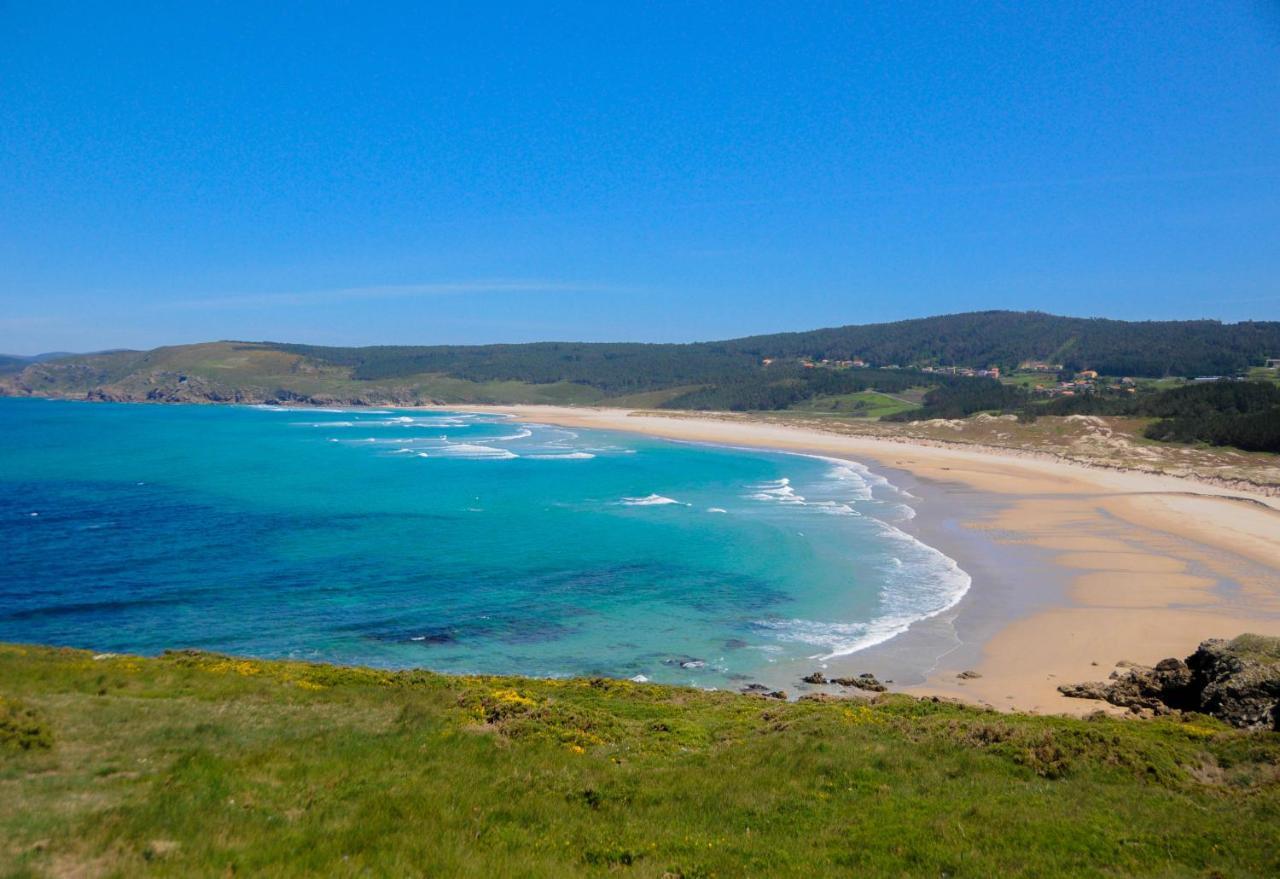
<point x="1007" y="338"/>
<point x="204" y="765"/>
<point x="730" y="375"/>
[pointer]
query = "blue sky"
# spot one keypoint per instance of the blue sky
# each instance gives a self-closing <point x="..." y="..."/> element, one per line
<point x="428" y="173"/>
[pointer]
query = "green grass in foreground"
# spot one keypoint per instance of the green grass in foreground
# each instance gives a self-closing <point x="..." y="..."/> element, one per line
<point x="197" y="764"/>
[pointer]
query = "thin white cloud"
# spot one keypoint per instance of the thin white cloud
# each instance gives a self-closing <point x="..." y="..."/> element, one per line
<point x="388" y="291"/>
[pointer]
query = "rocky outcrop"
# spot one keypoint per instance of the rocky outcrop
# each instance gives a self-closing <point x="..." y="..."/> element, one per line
<point x="1241" y="680"/>
<point x="1237" y="681"/>
<point x="865" y="681"/>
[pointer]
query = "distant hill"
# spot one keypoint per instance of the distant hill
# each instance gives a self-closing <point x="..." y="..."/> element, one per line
<point x="728" y="374"/>
<point x="1007" y="338"/>
<point x="18" y="362"/>
<point x="10" y="363"/>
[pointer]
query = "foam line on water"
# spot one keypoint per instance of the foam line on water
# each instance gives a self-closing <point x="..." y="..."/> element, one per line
<point x="651" y="500"/>
<point x="920" y="581"/>
<point x="475" y="451"/>
<point x="524" y="433"/>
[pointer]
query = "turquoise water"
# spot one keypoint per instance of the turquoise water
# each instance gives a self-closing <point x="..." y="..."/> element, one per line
<point x="454" y="541"/>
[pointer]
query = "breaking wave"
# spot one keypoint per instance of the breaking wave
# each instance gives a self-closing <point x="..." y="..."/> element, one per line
<point x="651" y="500"/>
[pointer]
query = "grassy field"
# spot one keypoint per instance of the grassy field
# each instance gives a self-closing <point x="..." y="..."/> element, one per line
<point x="1030" y="380"/>
<point x="203" y="765"/>
<point x="1264" y="375"/>
<point x="866" y="404"/>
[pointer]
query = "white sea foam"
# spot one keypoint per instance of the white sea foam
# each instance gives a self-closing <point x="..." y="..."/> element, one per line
<point x="652" y="500"/>
<point x="349" y="411"/>
<point x="921" y="587"/>
<point x="833" y="508"/>
<point x="270" y="407"/>
<point x="473" y="450"/>
<point x="567" y="456"/>
<point x="777" y="490"/>
<point x="857" y="473"/>
<point x="524" y="433"/>
<point x="407" y="421"/>
<point x="716" y="510"/>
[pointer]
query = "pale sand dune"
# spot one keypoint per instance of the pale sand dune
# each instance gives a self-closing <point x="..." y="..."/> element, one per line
<point x="1154" y="564"/>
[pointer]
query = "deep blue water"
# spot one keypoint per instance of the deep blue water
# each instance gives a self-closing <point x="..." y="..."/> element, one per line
<point x="453" y="541"/>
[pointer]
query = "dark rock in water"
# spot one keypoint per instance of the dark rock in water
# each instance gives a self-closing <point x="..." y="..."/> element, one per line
<point x="685" y="661"/>
<point x="968" y="675"/>
<point x="735" y="644"/>
<point x="864" y="681"/>
<point x="763" y="692"/>
<point x="816" y="678"/>
<point x="1237" y="681"/>
<point x="421" y="637"/>
<point x="435" y="638"/>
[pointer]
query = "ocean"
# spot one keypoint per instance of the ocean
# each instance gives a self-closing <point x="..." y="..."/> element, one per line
<point x="454" y="541"/>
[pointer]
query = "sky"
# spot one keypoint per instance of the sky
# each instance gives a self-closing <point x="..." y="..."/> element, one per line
<point x="356" y="173"/>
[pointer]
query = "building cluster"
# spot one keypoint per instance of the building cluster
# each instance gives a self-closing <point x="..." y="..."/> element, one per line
<point x="856" y="363"/>
<point x="1087" y="381"/>
<point x="990" y="372"/>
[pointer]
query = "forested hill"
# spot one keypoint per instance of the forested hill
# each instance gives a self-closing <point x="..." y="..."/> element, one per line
<point x="732" y="374"/>
<point x="1006" y="338"/>
<point x="976" y="339"/>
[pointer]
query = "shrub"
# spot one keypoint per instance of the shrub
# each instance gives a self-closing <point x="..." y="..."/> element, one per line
<point x="22" y="727"/>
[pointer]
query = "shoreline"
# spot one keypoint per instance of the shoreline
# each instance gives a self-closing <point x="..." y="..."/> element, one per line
<point x="1248" y="490"/>
<point x="1075" y="569"/>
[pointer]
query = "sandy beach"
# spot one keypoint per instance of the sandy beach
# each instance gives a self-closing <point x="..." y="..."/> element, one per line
<point x="1075" y="569"/>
